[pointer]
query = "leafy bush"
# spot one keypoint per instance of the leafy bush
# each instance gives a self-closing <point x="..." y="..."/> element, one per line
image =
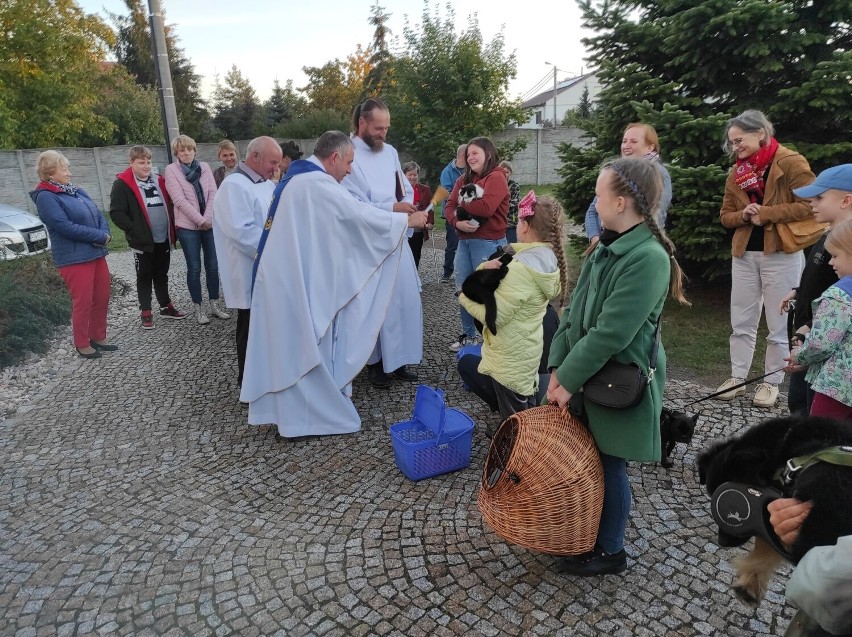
<point x="312" y="125"/>
<point x="33" y="301"/>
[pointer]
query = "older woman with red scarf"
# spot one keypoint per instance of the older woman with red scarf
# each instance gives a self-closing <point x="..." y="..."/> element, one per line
<point x="759" y="205"/>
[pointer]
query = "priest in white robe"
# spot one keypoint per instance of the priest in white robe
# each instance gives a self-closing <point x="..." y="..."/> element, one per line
<point x="377" y="178"/>
<point x="326" y="268"/>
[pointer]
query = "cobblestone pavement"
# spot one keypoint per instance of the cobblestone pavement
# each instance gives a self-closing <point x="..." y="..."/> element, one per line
<point x="135" y="500"/>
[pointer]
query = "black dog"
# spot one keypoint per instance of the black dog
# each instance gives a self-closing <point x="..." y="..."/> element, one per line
<point x="481" y="285"/>
<point x="468" y="193"/>
<point x="675" y="427"/>
<point x="755" y="457"/>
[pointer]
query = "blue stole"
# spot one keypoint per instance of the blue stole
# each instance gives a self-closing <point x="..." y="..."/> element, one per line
<point x="298" y="167"/>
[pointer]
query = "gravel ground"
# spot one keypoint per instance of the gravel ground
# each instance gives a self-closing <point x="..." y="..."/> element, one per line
<point x="135" y="500"/>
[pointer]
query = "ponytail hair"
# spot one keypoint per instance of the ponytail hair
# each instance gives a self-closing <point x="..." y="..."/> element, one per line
<point x="639" y="180"/>
<point x="364" y="109"/>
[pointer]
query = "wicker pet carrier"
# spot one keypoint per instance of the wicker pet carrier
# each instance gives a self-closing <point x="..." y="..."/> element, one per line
<point x="542" y="487"/>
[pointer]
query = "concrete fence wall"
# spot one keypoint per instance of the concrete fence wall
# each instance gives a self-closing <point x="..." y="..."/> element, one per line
<point x="94" y="169"/>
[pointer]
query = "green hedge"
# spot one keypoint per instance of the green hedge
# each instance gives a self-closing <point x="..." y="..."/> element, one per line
<point x="33" y="301"/>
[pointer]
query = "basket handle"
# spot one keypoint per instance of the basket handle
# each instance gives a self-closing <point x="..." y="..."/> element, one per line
<point x="448" y="440"/>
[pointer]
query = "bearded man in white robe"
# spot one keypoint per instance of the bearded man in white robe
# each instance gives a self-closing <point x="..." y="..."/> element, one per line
<point x="324" y="274"/>
<point x="377" y="178"/>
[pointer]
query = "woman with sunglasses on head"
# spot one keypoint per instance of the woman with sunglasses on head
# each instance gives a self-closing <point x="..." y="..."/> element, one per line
<point x="758" y="198"/>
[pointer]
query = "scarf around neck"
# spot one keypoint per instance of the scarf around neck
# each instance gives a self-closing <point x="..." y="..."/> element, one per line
<point x="750" y="173"/>
<point x="192" y="172"/>
<point x="653" y="155"/>
<point x="68" y="189"/>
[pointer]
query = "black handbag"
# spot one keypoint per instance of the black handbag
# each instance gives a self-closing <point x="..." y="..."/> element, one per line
<point x="622" y="385"/>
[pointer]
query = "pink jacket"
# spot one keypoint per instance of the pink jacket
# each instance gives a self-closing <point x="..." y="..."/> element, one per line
<point x="187" y="212"/>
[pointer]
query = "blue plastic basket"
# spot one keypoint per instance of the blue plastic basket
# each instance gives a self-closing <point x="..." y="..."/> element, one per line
<point x="436" y="440"/>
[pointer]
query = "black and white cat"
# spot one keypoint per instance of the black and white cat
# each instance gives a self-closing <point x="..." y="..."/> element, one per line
<point x="467" y="194"/>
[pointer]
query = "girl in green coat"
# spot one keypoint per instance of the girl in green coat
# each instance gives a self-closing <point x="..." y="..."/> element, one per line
<point x="613" y="314"/>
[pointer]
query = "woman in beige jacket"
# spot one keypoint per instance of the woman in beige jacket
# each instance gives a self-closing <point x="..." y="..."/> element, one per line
<point x="758" y="197"/>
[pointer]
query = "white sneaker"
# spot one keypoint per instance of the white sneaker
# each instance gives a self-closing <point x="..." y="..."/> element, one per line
<point x="765" y="395"/>
<point x="730" y="395"/>
<point x="457" y="344"/>
<point x="201" y="315"/>
<point x="217" y="311"/>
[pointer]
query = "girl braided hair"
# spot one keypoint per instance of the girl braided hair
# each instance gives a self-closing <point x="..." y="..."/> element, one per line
<point x="639" y="180"/>
<point x="547" y="221"/>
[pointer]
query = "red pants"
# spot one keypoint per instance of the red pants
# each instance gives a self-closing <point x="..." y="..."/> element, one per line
<point x="828" y="407"/>
<point x="88" y="283"/>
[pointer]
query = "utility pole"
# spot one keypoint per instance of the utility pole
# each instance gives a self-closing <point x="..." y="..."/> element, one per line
<point x="554" y="92"/>
<point x="555" y="123"/>
<point x="164" y="74"/>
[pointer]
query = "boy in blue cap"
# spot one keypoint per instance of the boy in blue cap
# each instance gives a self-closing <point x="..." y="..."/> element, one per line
<point x="830" y="197"/>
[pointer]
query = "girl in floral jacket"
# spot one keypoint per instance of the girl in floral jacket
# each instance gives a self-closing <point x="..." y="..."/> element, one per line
<point x="827" y="347"/>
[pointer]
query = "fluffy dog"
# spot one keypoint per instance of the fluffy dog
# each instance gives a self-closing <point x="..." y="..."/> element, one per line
<point x="467" y="194"/>
<point x="481" y="285"/>
<point x="755" y="457"/>
<point x="675" y="427"/>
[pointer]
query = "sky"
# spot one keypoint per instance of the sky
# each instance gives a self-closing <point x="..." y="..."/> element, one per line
<point x="269" y="40"/>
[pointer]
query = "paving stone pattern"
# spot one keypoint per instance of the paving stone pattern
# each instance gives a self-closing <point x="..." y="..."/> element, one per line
<point x="135" y="500"/>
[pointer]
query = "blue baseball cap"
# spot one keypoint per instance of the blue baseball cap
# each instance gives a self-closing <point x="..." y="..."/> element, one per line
<point x="839" y="178"/>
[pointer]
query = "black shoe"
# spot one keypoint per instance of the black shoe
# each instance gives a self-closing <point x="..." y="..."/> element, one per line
<point x="377" y="376"/>
<point x="595" y="562"/>
<point x="104" y="347"/>
<point x="95" y="354"/>
<point x="403" y="374"/>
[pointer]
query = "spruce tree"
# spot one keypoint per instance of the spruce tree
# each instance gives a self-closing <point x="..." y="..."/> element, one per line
<point x="685" y="68"/>
<point x="283" y="105"/>
<point x="236" y="107"/>
<point x="380" y="56"/>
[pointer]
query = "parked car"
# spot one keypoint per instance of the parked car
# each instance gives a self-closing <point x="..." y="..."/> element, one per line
<point x="21" y="233"/>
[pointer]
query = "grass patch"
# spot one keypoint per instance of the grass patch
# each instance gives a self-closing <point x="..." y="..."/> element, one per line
<point x="33" y="301"/>
<point x="118" y="242"/>
<point x="696" y="338"/>
<point x="541" y="190"/>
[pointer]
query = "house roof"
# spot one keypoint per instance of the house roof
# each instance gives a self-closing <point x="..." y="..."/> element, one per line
<point x="542" y="98"/>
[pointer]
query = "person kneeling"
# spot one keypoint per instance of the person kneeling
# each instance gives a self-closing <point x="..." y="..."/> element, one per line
<point x="506" y="376"/>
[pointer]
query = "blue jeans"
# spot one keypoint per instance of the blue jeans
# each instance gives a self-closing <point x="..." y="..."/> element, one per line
<point x="192" y="242"/>
<point x="469" y="254"/>
<point x="616" y="504"/>
<point x="450" y="251"/>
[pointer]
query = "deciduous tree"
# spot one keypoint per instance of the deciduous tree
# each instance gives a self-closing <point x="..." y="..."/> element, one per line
<point x="337" y="86"/>
<point x="449" y="87"/>
<point x="133" y="109"/>
<point x="50" y="53"/>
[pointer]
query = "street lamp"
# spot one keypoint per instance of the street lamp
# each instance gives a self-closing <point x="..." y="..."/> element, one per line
<point x="554" y="92"/>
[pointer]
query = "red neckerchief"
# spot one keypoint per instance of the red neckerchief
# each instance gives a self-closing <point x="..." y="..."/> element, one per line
<point x="750" y="173"/>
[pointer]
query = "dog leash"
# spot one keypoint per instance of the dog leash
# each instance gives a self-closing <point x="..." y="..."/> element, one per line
<point x="747" y="381"/>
